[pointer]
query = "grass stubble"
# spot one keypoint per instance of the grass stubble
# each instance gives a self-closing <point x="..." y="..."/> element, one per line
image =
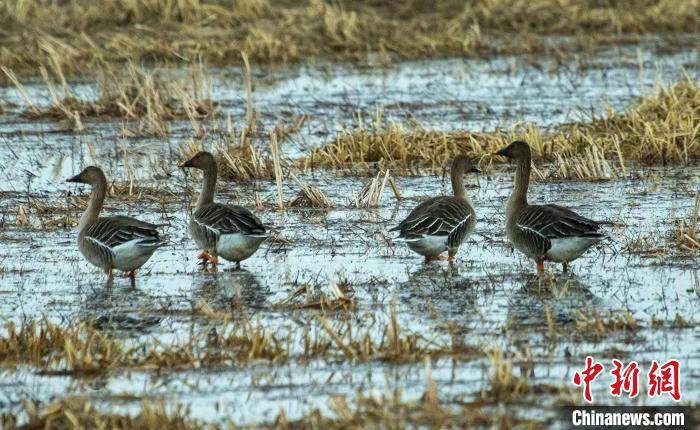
<point x="81" y="33"/>
<point x="662" y="128"/>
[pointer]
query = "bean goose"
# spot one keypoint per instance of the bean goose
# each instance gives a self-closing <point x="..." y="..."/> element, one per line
<point x="441" y="223"/>
<point x="544" y="232"/>
<point x="230" y="232"/>
<point x="116" y="242"/>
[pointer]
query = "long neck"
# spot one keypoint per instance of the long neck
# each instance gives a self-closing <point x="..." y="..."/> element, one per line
<point x="97" y="198"/>
<point x="207" y="194"/>
<point x="518" y="197"/>
<point x="458" y="182"/>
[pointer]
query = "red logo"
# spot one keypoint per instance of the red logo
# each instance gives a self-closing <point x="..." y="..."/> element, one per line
<point x="587" y="376"/>
<point x="661" y="379"/>
<point x="665" y="379"/>
<point x="626" y="379"/>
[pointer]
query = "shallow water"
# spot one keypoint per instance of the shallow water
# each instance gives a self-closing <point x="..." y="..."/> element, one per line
<point x="490" y="294"/>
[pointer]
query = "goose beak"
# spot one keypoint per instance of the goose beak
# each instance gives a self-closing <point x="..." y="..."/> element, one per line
<point x="501" y="153"/>
<point x="474" y="169"/>
<point x="75" y="178"/>
<point x="185" y="164"/>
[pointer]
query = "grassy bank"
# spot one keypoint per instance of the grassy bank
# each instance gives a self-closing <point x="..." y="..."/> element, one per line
<point x="663" y="127"/>
<point x="82" y="32"/>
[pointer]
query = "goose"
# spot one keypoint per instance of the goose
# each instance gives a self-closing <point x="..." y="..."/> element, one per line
<point x="544" y="232"/>
<point x="227" y="231"/>
<point x="441" y="223"/>
<point x="116" y="242"/>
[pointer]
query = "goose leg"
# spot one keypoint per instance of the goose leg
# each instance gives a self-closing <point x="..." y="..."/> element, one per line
<point x="204" y="257"/>
<point x="451" y="255"/>
<point x="540" y="266"/>
<point x="132" y="277"/>
<point x="214" y="260"/>
<point x="110" y="276"/>
<point x="429" y="258"/>
<point x="238" y="265"/>
<point x="565" y="266"/>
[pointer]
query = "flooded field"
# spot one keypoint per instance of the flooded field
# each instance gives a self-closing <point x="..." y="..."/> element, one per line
<point x="342" y="311"/>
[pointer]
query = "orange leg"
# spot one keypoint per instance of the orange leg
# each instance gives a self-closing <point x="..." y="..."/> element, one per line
<point x="132" y="277"/>
<point x="110" y="275"/>
<point x="205" y="258"/>
<point x="540" y="266"/>
<point x="451" y="256"/>
<point x="429" y="258"/>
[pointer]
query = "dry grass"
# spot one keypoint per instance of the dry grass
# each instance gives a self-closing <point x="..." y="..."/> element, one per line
<point x="237" y="157"/>
<point x="371" y="194"/>
<point x="503" y="384"/>
<point x="145" y="99"/>
<point x="386" y="411"/>
<point x="662" y="127"/>
<point x="82" y="32"/>
<point x="391" y="412"/>
<point x="685" y="236"/>
<point x="305" y="297"/>
<point x="81" y="348"/>
<point x="224" y="341"/>
<point x="77" y="413"/>
<point x="395" y="344"/>
<point x="591" y="165"/>
<point x="309" y="196"/>
<point x="595" y="326"/>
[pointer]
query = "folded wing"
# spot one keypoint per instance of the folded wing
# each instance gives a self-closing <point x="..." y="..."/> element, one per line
<point x="225" y="219"/>
<point x="440" y="216"/>
<point x="542" y="224"/>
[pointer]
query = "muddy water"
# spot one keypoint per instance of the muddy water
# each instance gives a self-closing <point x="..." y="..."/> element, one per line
<point x="489" y="294"/>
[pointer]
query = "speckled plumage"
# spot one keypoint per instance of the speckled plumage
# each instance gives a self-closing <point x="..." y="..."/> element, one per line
<point x="544" y="232"/>
<point x="231" y="232"/>
<point x="117" y="242"/>
<point x="441" y="223"/>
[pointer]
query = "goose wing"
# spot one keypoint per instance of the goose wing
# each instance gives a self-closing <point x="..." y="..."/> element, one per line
<point x="439" y="216"/>
<point x="110" y="232"/>
<point x="225" y="219"/>
<point x="556" y="222"/>
<point x="539" y="225"/>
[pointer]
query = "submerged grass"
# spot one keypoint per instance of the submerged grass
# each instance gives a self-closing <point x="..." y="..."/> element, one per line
<point x="82" y="32"/>
<point x="686" y="237"/>
<point x="145" y="99"/>
<point x="82" y="348"/>
<point x="363" y="411"/>
<point x="78" y="413"/>
<point x="662" y="127"/>
<point x="223" y="340"/>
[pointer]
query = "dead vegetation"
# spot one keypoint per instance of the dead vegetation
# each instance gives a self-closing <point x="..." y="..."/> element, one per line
<point x="662" y="127"/>
<point x="78" y="413"/>
<point x="82" y="348"/>
<point x="360" y="412"/>
<point x="370" y="196"/>
<point x="224" y="340"/>
<point x="82" y="32"/>
<point x="309" y="196"/>
<point x="685" y="235"/>
<point x="144" y="99"/>
<point x="596" y="326"/>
